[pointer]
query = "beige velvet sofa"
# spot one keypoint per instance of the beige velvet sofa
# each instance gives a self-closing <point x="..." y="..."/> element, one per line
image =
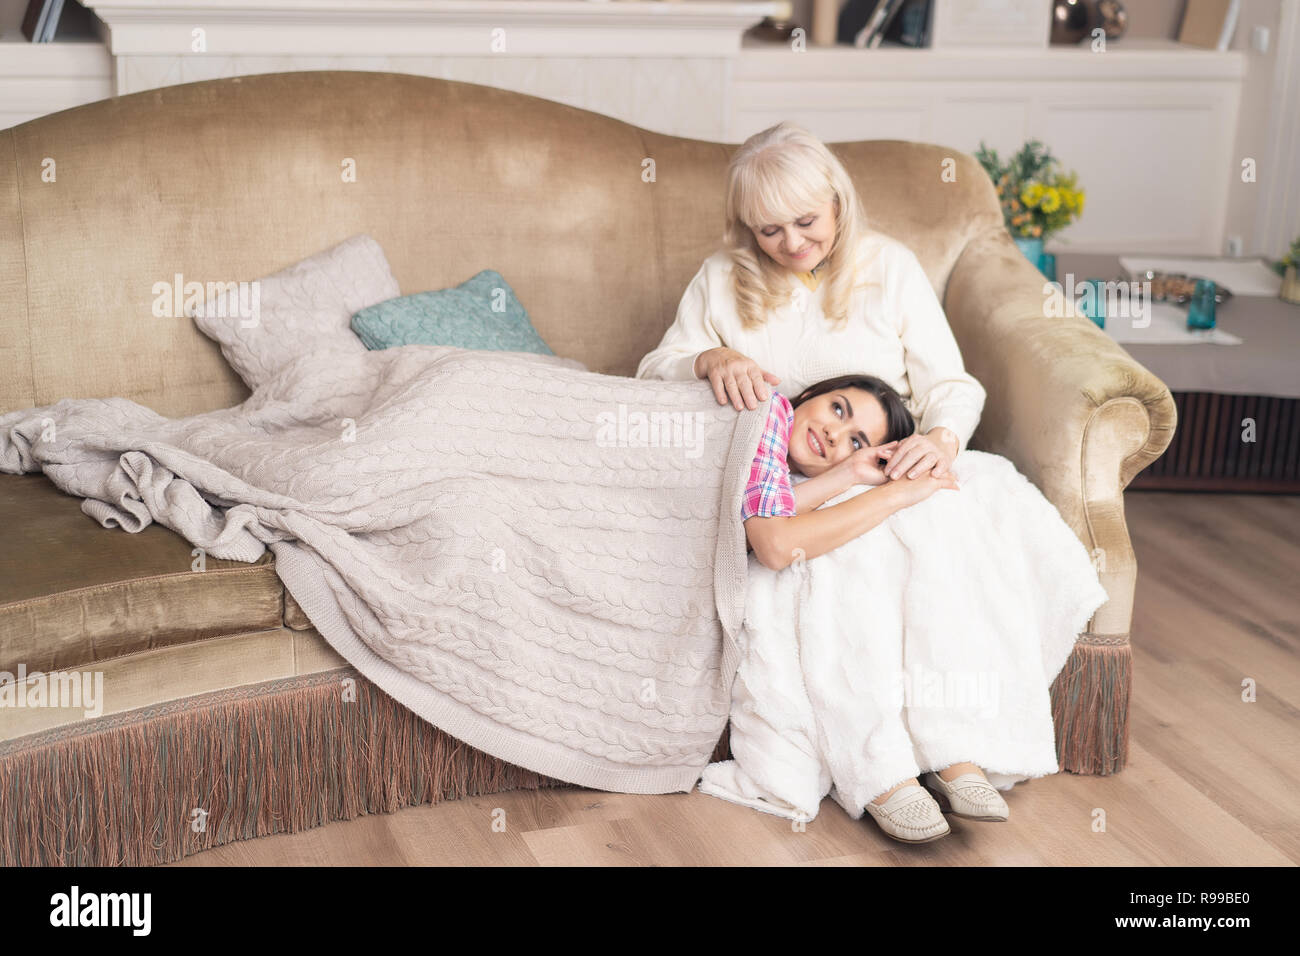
<point x="225" y="715"/>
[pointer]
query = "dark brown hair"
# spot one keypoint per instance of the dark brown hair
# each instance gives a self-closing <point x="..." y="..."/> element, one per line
<point x="899" y="421"/>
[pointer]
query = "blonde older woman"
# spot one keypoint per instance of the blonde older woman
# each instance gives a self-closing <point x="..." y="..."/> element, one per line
<point x="804" y="291"/>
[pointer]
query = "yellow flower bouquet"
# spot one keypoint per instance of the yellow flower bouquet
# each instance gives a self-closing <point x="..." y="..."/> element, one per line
<point x="1037" y="197"/>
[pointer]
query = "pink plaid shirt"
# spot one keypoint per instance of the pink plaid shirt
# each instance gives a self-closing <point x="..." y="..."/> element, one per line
<point x="769" y="493"/>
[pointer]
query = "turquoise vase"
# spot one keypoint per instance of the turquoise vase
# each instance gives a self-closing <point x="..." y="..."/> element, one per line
<point x="1200" y="311"/>
<point x="1033" y="251"/>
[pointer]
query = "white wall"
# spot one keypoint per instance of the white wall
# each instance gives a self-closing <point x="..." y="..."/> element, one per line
<point x="1253" y="126"/>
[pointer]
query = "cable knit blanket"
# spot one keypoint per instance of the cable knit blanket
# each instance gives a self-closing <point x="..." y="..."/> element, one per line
<point x="544" y="562"/>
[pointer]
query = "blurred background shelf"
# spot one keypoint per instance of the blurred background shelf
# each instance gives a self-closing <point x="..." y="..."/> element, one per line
<point x="1157" y="130"/>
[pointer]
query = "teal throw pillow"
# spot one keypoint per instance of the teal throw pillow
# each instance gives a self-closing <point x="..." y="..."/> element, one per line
<point x="462" y="317"/>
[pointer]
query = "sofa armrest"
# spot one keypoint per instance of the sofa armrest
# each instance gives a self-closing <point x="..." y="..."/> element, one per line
<point x="1066" y="404"/>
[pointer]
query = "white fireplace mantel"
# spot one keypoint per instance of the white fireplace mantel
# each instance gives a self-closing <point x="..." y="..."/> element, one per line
<point x="662" y="64"/>
<point x="598" y="28"/>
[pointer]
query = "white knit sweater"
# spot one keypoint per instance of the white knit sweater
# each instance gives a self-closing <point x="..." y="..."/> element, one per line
<point x="896" y="331"/>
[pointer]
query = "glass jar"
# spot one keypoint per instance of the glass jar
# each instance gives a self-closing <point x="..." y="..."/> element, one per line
<point x="1200" y="309"/>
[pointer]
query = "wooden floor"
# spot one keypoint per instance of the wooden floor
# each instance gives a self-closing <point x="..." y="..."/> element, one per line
<point x="1211" y="781"/>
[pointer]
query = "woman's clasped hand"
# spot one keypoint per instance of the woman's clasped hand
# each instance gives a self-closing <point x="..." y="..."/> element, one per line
<point x="863" y="468"/>
<point x="919" y="454"/>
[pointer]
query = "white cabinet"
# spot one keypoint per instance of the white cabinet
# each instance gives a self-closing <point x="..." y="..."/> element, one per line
<point x="41" y="78"/>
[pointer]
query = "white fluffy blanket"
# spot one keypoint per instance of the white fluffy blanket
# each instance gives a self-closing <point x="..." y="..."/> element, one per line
<point x="930" y="640"/>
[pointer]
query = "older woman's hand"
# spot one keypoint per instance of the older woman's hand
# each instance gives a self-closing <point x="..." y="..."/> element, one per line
<point x="735" y="377"/>
<point x="917" y="454"/>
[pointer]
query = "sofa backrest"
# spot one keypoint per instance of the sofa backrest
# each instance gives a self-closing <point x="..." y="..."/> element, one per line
<point x="233" y="179"/>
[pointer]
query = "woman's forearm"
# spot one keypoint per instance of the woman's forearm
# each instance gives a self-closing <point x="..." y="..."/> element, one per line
<point x="776" y="541"/>
<point x="812" y="493"/>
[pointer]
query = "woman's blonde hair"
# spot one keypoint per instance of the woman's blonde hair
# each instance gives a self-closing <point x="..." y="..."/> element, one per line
<point x="777" y="176"/>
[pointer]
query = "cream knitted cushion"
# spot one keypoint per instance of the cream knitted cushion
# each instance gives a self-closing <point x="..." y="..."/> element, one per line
<point x="262" y="325"/>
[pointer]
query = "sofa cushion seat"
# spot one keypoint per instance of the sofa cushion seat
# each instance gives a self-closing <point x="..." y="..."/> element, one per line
<point x="73" y="592"/>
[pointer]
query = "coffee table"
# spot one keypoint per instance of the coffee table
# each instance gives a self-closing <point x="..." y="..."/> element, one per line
<point x="1219" y="390"/>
